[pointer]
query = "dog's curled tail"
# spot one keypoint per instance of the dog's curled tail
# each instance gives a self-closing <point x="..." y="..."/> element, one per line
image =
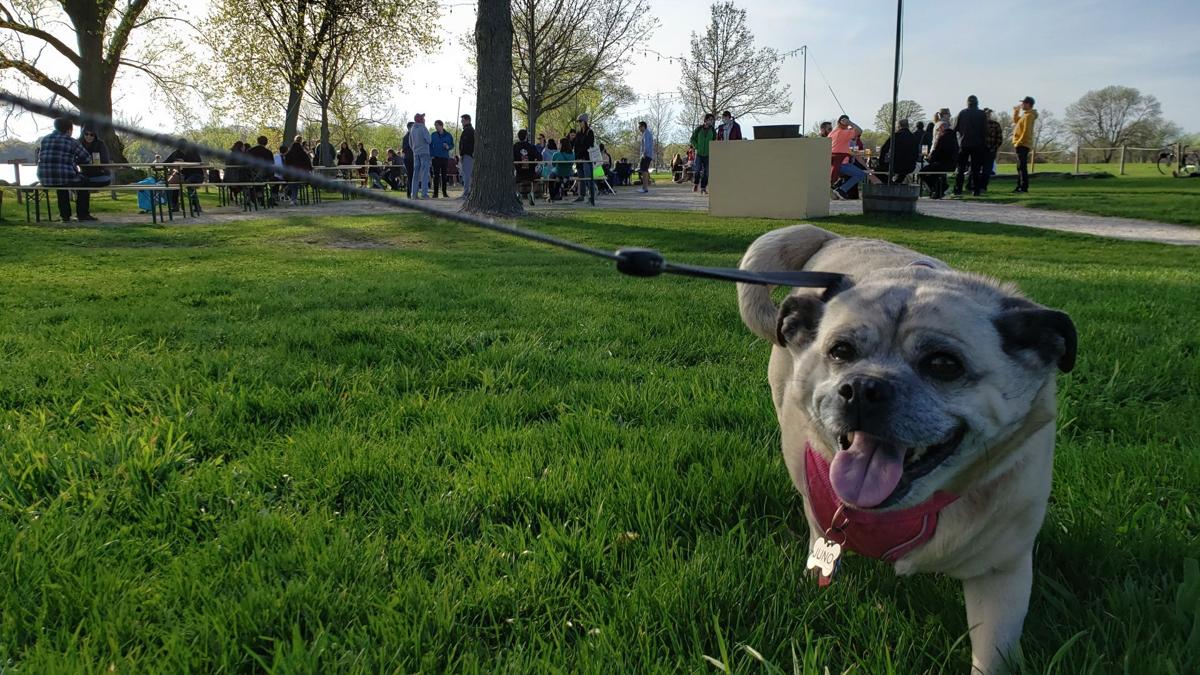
<point x="784" y="250"/>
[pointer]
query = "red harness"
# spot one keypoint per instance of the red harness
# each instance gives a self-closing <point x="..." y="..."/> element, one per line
<point x="888" y="535"/>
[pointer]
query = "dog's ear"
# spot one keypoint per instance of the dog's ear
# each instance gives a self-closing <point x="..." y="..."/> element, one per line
<point x="799" y="316"/>
<point x="1047" y="333"/>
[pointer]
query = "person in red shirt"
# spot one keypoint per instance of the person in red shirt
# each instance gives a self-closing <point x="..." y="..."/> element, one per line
<point x="843" y="136"/>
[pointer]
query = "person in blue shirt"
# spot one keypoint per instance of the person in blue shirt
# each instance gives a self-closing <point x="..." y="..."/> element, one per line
<point x="59" y="158"/>
<point x="440" y="145"/>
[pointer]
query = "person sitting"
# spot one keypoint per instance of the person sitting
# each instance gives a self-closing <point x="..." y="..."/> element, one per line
<point x="95" y="176"/>
<point x="564" y="163"/>
<point x="374" y="172"/>
<point x="902" y="148"/>
<point x="261" y="152"/>
<point x="677" y="168"/>
<point x="525" y="161"/>
<point x="943" y="158"/>
<point x="185" y="153"/>
<point x="844" y="141"/>
<point x="395" y="174"/>
<point x="622" y="172"/>
<point x="58" y="160"/>
<point x="345" y="157"/>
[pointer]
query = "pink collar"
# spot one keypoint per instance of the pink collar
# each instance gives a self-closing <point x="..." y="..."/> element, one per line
<point x="888" y="535"/>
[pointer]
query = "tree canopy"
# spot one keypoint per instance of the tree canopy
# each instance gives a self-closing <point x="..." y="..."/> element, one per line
<point x="103" y="35"/>
<point x="1116" y="116"/>
<point x="905" y="110"/>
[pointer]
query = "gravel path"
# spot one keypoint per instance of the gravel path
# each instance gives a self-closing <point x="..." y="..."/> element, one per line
<point x="670" y="197"/>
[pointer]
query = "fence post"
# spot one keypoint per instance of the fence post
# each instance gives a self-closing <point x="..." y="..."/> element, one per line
<point x="1077" y="160"/>
<point x="1122" y="160"/>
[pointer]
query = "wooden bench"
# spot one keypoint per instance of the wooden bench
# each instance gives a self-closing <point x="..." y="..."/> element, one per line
<point x="156" y="203"/>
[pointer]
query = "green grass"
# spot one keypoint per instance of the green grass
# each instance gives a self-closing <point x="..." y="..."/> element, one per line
<point x="392" y="444"/>
<point x="1144" y="196"/>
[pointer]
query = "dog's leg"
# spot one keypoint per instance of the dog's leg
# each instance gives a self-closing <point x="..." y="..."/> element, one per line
<point x="996" y="607"/>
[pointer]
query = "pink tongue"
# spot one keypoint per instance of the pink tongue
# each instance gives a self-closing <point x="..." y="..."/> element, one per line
<point x="866" y="473"/>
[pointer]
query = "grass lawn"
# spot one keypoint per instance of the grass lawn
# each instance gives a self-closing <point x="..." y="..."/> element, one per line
<point x="394" y="445"/>
<point x="1141" y="195"/>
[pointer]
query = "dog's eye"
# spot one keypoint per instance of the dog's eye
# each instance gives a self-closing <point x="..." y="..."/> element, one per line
<point x="842" y="351"/>
<point x="943" y="366"/>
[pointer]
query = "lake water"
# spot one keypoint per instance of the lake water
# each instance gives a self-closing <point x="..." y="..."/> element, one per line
<point x="28" y="173"/>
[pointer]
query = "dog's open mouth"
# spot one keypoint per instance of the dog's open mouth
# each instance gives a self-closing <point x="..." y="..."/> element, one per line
<point x="871" y="473"/>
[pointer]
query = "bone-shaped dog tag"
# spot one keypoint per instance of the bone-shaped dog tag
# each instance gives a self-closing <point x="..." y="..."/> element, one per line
<point x="824" y="556"/>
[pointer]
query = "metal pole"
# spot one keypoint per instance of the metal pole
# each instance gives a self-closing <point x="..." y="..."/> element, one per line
<point x="895" y="88"/>
<point x="1076" y="159"/>
<point x="804" y="94"/>
<point x="1122" y="160"/>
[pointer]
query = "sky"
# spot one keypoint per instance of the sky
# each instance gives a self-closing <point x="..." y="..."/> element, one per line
<point x="1053" y="50"/>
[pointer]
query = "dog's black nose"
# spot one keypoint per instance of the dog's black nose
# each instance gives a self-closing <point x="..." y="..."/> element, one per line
<point x="865" y="395"/>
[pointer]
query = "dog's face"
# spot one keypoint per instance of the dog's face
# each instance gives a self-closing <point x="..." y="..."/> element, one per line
<point x="911" y="379"/>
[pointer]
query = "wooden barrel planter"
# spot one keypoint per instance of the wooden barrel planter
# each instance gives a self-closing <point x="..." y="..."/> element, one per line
<point x="896" y="200"/>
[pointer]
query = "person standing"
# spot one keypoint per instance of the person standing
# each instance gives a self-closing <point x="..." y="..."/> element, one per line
<point x="441" y="143"/>
<point x="1024" y="117"/>
<point x="647" y="156"/>
<point x="419" y="140"/>
<point x="585" y="139"/>
<point x="971" y="126"/>
<point x="729" y="130"/>
<point x="702" y="136"/>
<point x="297" y="158"/>
<point x="994" y="137"/>
<point x="58" y="161"/>
<point x="525" y="162"/>
<point x="407" y="152"/>
<point x="466" y="153"/>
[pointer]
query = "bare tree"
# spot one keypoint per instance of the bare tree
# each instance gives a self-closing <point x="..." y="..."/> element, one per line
<point x="1115" y="116"/>
<point x="657" y="116"/>
<point x="906" y="110"/>
<point x="601" y="101"/>
<point x="352" y="54"/>
<point x="102" y="32"/>
<point x="726" y="72"/>
<point x="493" y="190"/>
<point x="561" y="47"/>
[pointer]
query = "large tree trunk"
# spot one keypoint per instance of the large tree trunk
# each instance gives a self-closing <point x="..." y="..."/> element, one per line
<point x="96" y="75"/>
<point x="292" y="120"/>
<point x="323" y="152"/>
<point x="493" y="190"/>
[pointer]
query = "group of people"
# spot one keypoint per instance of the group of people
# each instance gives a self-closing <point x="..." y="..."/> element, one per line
<point x="966" y="145"/>
<point x="68" y="162"/>
<point x="694" y="164"/>
<point x="576" y="162"/>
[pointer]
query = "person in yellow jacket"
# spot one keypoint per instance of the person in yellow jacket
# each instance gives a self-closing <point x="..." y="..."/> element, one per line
<point x="1024" y="117"/>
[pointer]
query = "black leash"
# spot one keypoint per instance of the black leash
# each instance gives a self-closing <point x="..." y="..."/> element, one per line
<point x="638" y="262"/>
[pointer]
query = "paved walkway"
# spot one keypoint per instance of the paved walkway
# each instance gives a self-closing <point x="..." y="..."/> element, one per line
<point x="670" y="197"/>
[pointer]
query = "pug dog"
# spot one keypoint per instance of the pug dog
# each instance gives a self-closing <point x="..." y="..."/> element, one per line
<point x="917" y="410"/>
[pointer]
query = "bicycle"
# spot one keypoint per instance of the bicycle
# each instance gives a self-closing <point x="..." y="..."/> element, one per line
<point x="1184" y="163"/>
